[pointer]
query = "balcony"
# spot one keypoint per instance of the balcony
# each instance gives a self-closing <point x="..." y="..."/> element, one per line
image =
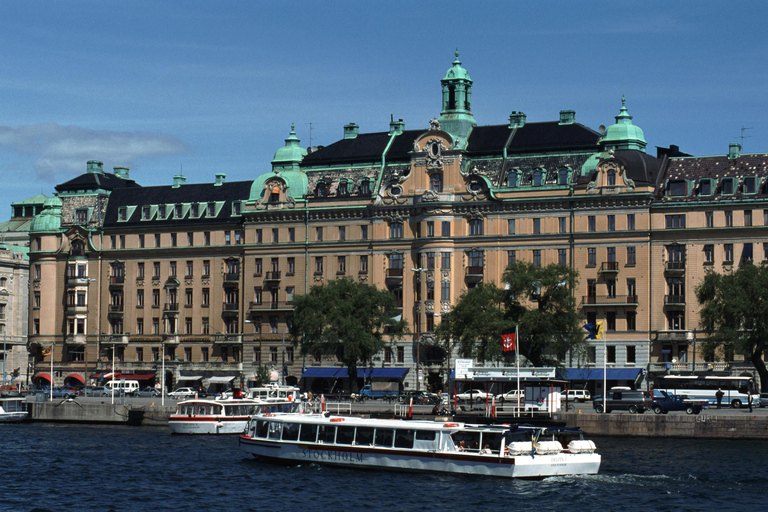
<point x="271" y="306"/>
<point x="116" y="281"/>
<point x="230" y="308"/>
<point x="674" y="300"/>
<point x="609" y="267"/>
<point x="231" y="278"/>
<point x="171" y="339"/>
<point x="75" y="339"/>
<point x="171" y="307"/>
<point x="115" y="339"/>
<point x="78" y="280"/>
<point x="228" y="339"/>
<point x="473" y="274"/>
<point x="608" y="300"/>
<point x="273" y="275"/>
<point x="675" y="335"/>
<point x="688" y="367"/>
<point x="674" y="267"/>
<point x="77" y="309"/>
<point x="394" y="274"/>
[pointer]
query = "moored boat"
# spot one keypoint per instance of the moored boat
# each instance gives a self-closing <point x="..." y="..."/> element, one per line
<point x="12" y="410"/>
<point x="448" y="447"/>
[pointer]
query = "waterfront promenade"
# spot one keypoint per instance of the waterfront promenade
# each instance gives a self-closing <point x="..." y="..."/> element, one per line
<point x="711" y="423"/>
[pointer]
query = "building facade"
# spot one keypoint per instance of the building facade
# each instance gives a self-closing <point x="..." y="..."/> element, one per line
<point x="197" y="280"/>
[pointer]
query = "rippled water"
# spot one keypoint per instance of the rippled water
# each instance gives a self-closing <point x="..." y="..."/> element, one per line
<point x="102" y="468"/>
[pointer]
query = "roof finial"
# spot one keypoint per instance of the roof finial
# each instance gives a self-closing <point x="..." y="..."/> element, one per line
<point x="623" y="101"/>
<point x="457" y="61"/>
<point x="293" y="127"/>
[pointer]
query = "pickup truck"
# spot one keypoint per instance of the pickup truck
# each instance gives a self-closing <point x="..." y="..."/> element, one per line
<point x="387" y="390"/>
<point x="664" y="402"/>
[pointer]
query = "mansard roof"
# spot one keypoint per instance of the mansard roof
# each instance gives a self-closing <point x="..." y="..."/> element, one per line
<point x="541" y="136"/>
<point x="365" y="147"/>
<point x="134" y="199"/>
<point x="715" y="170"/>
<point x="96" y="181"/>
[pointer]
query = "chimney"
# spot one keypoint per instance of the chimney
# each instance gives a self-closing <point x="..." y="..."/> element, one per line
<point x="567" y="116"/>
<point x="351" y="130"/>
<point x="734" y="148"/>
<point x="396" y="127"/>
<point x="95" y="167"/>
<point x="121" y="172"/>
<point x="179" y="180"/>
<point x="220" y="178"/>
<point x="516" y="120"/>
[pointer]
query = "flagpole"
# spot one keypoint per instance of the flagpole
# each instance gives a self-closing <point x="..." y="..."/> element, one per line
<point x="517" y="362"/>
<point x="605" y="367"/>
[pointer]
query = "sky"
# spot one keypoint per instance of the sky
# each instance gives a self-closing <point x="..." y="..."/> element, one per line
<point x="200" y="87"/>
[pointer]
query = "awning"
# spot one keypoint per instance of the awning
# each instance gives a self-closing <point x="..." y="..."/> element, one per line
<point x="366" y="373"/>
<point x="135" y="376"/>
<point x="75" y="376"/>
<point x="45" y="376"/>
<point x="190" y="377"/>
<point x="630" y="374"/>
<point x="220" y="380"/>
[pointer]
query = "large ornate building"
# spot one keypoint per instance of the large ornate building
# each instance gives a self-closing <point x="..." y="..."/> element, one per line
<point x="199" y="279"/>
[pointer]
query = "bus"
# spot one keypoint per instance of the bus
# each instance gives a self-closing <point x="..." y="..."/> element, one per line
<point x="703" y="387"/>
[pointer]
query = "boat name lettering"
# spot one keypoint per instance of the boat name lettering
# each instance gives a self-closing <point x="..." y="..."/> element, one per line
<point x="332" y="455"/>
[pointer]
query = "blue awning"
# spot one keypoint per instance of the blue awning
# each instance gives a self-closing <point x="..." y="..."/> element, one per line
<point x="630" y="374"/>
<point x="367" y="373"/>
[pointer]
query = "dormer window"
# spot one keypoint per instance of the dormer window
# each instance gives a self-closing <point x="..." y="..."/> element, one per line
<point x="81" y="215"/>
<point x="161" y="212"/>
<point x="78" y="248"/>
<point x="236" y="208"/>
<point x="610" y="178"/>
<point x="512" y="179"/>
<point x="537" y="177"/>
<point x="146" y="212"/>
<point x="122" y="213"/>
<point x="365" y="187"/>
<point x="749" y="185"/>
<point x="562" y="177"/>
<point x="320" y="190"/>
<point x="705" y="187"/>
<point x="726" y="187"/>
<point x="195" y="210"/>
<point x="343" y="188"/>
<point x="211" y="209"/>
<point x="677" y="188"/>
<point x="178" y="211"/>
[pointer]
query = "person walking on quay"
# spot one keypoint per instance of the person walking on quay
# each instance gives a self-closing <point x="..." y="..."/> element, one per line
<point x="749" y="401"/>
<point x="719" y="396"/>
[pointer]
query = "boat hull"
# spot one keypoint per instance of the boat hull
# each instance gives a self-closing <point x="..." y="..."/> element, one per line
<point x="13" y="417"/>
<point x="521" y="466"/>
<point x="207" y="425"/>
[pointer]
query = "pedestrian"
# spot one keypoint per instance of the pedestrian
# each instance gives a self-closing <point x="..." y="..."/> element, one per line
<point x="749" y="401"/>
<point x="719" y="395"/>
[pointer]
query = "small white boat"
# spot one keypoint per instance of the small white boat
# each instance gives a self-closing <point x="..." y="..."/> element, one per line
<point x="230" y="415"/>
<point x="448" y="447"/>
<point x="12" y="410"/>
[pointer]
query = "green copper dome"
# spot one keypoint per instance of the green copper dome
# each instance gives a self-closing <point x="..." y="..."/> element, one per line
<point x="456" y="71"/>
<point x="50" y="218"/>
<point x="290" y="155"/>
<point x="623" y="134"/>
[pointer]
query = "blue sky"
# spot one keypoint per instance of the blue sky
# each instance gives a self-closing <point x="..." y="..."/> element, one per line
<point x="201" y="87"/>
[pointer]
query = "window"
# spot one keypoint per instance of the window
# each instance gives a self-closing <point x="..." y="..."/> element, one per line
<point x="363" y="264"/>
<point x="611" y="253"/>
<point x="227" y="238"/>
<point x="726" y="186"/>
<point x="562" y="257"/>
<point x="709" y="253"/>
<point x="363" y="232"/>
<point x="676" y="320"/>
<point x="188" y="298"/>
<point x="206" y="297"/>
<point x="206" y="238"/>
<point x="173" y="269"/>
<point x="112" y="242"/>
<point x="631" y="221"/>
<point x="122" y="213"/>
<point x="342" y="233"/>
<point x="591" y="223"/>
<point x="610" y="350"/>
<point x="512" y="179"/>
<point x="536" y="226"/>
<point x="475" y="259"/>
<point x="238" y="237"/>
<point x="400" y="354"/>
<point x="319" y="265"/>
<point x="476" y="227"/>
<point x="749" y="186"/>
<point x="211" y="209"/>
<point x="705" y="187"/>
<point x="258" y="267"/>
<point x="140" y="297"/>
<point x="396" y="230"/>
<point x="445" y="291"/>
<point x="561" y="224"/>
<point x="675" y="221"/>
<point x="610" y="288"/>
<point x="631" y="326"/>
<point x="611" y="223"/>
<point x="430" y="228"/>
<point x="537" y="258"/>
<point x="631" y="351"/>
<point x="631" y="256"/>
<point x="174" y="239"/>
<point x="365" y="187"/>
<point x="511" y="226"/>
<point x="676" y="188"/>
<point x="289" y="293"/>
<point x="275" y="235"/>
<point x="161" y="212"/>
<point x="728" y="218"/>
<point x="610" y="324"/>
<point x="157" y="239"/>
<point x="190" y="268"/>
<point x="155" y="298"/>
<point x="710" y="217"/>
<point x="747" y="217"/>
<point x="430" y="261"/>
<point x="291" y="234"/>
<point x="156" y="269"/>
<point x="591" y="257"/>
<point x="141" y="241"/>
<point x="155" y="326"/>
<point x="631" y="288"/>
<point x="319" y="234"/>
<point x="445" y="260"/>
<point x="139" y="326"/>
<point x="81" y="215"/>
<point x="259" y="236"/>
<point x="342" y="265"/>
<point x="122" y="241"/>
<point x="436" y="182"/>
<point x="511" y="258"/>
<point x="204" y="357"/>
<point x="291" y="265"/>
<point x="446" y="228"/>
<point x="206" y="267"/>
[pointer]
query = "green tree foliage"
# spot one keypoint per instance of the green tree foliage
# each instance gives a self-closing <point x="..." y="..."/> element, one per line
<point x="347" y="320"/>
<point x="734" y="313"/>
<point x="537" y="300"/>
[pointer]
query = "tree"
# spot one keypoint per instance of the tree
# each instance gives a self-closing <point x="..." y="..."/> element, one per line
<point x="537" y="300"/>
<point x="734" y="313"/>
<point x="347" y="320"/>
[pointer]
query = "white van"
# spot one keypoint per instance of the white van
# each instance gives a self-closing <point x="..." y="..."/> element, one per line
<point x="578" y="395"/>
<point x="129" y="387"/>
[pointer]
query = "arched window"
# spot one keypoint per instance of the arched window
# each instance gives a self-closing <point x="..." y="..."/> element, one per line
<point x="365" y="187"/>
<point x="562" y="177"/>
<point x="512" y="179"/>
<point x="611" y="178"/>
<point x="320" y="190"/>
<point x="78" y="248"/>
<point x="537" y="177"/>
<point x="274" y="194"/>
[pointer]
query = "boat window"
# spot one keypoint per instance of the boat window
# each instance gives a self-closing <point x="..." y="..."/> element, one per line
<point x="274" y="430"/>
<point x="404" y="438"/>
<point x="345" y="435"/>
<point x="202" y="410"/>
<point x="290" y="432"/>
<point x="327" y="434"/>
<point x="308" y="433"/>
<point x="492" y="440"/>
<point x="471" y="440"/>
<point x="262" y="427"/>
<point x="426" y="435"/>
<point x="189" y="410"/>
<point x="384" y="437"/>
<point x="517" y="436"/>
<point x="364" y="436"/>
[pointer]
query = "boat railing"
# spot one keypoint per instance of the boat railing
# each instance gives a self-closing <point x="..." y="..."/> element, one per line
<point x="334" y="407"/>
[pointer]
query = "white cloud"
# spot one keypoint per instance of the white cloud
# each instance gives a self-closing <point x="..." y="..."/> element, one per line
<point x="59" y="151"/>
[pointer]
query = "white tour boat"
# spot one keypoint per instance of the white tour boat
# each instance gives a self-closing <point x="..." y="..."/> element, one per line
<point x="12" y="409"/>
<point x="230" y="415"/>
<point x="448" y="447"/>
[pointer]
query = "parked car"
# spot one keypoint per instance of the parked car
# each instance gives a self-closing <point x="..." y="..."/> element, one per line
<point x="763" y="399"/>
<point x="664" y="402"/>
<point x="472" y="394"/>
<point x="578" y="395"/>
<point x="419" y="397"/>
<point x="630" y="400"/>
<point x="95" y="391"/>
<point x="511" y="396"/>
<point x="182" y="393"/>
<point x="148" y="391"/>
<point x="61" y="393"/>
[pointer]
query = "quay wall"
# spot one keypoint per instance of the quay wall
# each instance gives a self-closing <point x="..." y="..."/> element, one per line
<point x="702" y="426"/>
<point x="74" y="412"/>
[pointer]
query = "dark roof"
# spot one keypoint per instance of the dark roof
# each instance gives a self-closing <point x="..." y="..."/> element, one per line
<point x="92" y="180"/>
<point x="168" y="195"/>
<point x="715" y="167"/>
<point x="544" y="136"/>
<point x="366" y="147"/>
<point x="641" y="167"/>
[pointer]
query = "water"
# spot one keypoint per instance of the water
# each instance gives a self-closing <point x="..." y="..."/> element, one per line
<point x="49" y="467"/>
